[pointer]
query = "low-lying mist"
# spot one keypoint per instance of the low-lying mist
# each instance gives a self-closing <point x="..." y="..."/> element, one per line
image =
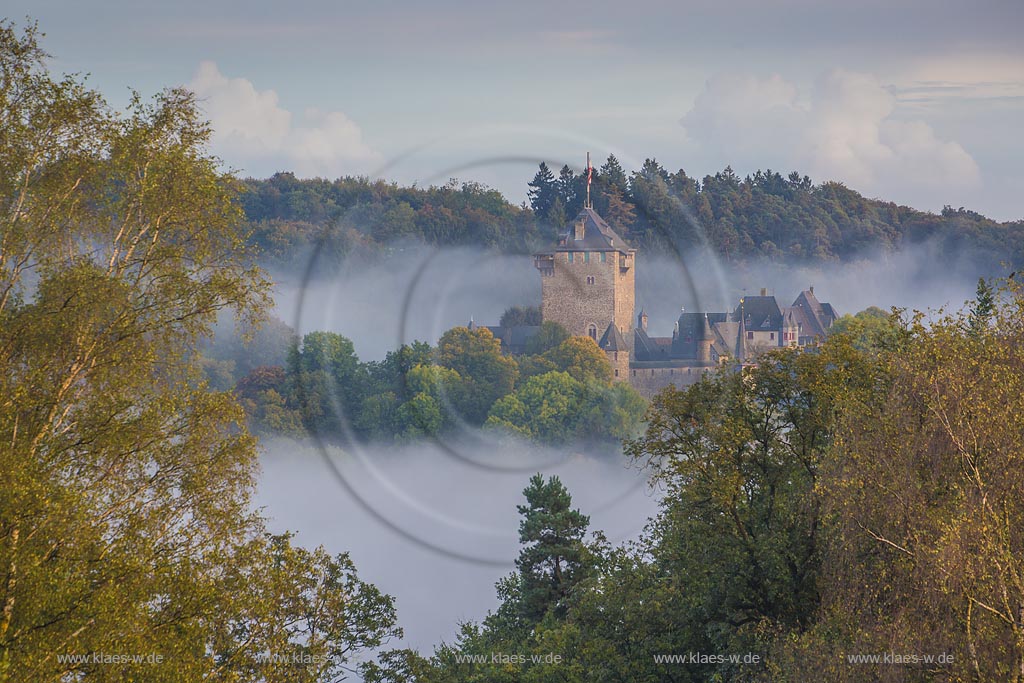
<point x="419" y="292"/>
<point x="435" y="524"/>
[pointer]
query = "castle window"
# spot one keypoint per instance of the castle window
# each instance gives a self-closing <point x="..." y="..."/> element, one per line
<point x="616" y="373"/>
<point x="634" y="373"/>
<point x="590" y="280"/>
<point x="750" y="335"/>
<point x="586" y="257"/>
<point x="772" y="336"/>
<point x="602" y="257"/>
<point x="571" y="257"/>
<point x="592" y="332"/>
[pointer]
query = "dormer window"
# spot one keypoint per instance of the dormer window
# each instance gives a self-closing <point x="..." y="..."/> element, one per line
<point x="580" y="230"/>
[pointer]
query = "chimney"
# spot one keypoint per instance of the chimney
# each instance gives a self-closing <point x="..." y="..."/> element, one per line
<point x="812" y="290"/>
<point x="580" y="229"/>
<point x="764" y="291"/>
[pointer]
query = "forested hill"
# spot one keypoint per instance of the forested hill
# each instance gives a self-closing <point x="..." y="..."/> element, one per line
<point x="763" y="216"/>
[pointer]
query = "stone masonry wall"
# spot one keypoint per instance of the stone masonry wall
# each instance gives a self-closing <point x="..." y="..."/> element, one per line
<point x="649" y="381"/>
<point x="568" y="298"/>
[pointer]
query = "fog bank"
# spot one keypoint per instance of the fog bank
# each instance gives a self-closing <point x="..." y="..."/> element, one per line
<point x="419" y="292"/>
<point x="436" y="525"/>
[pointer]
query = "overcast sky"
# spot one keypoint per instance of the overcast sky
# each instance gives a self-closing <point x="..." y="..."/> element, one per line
<point x="921" y="101"/>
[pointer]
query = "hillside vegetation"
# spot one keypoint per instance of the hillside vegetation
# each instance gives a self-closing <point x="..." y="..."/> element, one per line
<point x="763" y="216"/>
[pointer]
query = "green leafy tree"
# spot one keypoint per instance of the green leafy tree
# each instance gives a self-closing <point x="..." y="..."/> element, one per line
<point x="520" y="315"/>
<point x="919" y="491"/>
<point x="545" y="408"/>
<point x="262" y="394"/>
<point x="327" y="382"/>
<point x="871" y="329"/>
<point x="615" y="412"/>
<point x="549" y="336"/>
<point x="583" y="359"/>
<point x="740" y="453"/>
<point x="125" y="522"/>
<point x="426" y="412"/>
<point x="486" y="374"/>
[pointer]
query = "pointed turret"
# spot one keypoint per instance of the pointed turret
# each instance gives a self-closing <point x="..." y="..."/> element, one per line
<point x="705" y="338"/>
<point x="614" y="345"/>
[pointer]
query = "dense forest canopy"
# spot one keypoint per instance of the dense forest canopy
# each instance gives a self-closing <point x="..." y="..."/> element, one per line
<point x="561" y="390"/>
<point x="841" y="514"/>
<point x="761" y="216"/>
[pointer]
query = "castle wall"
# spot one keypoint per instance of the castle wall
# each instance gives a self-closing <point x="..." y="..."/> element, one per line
<point x="648" y="381"/>
<point x="570" y="298"/>
<point x="620" y="365"/>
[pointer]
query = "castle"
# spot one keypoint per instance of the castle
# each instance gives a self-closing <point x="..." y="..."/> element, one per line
<point x="588" y="286"/>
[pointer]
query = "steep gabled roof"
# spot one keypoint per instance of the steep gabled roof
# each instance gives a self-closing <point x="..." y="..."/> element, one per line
<point x="725" y="338"/>
<point x="818" y="317"/>
<point x="647" y="348"/>
<point x="597" y="235"/>
<point x="612" y="340"/>
<point x="761" y="313"/>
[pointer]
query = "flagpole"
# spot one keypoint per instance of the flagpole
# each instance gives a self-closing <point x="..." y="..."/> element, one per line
<point x="589" y="168"/>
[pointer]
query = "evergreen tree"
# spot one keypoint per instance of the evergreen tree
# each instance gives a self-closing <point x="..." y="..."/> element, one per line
<point x="568" y="191"/>
<point x="618" y="212"/>
<point x="984" y="307"/>
<point x="614" y="176"/>
<point x="558" y="217"/>
<point x="554" y="558"/>
<point x="543" y="191"/>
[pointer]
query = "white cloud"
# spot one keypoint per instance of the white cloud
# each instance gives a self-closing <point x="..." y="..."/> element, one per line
<point x="254" y="132"/>
<point x="846" y="129"/>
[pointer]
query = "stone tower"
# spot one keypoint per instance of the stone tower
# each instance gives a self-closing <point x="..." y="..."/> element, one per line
<point x="588" y="279"/>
